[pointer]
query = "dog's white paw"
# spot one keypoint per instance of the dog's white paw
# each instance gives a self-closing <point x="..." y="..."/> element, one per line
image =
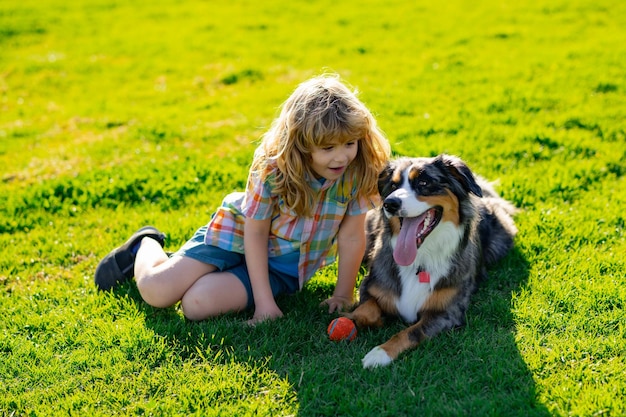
<point x="376" y="357"/>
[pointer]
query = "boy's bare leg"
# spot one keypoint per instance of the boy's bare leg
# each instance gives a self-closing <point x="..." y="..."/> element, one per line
<point x="161" y="280"/>
<point x="214" y="294"/>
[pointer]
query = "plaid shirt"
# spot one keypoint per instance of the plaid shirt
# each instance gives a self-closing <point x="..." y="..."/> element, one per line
<point x="314" y="237"/>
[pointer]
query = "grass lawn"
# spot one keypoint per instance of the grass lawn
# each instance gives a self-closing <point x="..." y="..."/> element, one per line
<point x="117" y="114"/>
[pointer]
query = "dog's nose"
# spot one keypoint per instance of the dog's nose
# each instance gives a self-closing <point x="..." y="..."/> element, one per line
<point x="392" y="204"/>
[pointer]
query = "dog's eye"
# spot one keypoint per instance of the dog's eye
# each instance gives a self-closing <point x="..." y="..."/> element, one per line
<point x="422" y="183"/>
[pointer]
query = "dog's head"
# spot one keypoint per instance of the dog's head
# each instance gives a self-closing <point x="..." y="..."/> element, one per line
<point x="421" y="193"/>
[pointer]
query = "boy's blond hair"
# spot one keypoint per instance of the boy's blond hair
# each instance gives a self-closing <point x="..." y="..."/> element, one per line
<point x="321" y="112"/>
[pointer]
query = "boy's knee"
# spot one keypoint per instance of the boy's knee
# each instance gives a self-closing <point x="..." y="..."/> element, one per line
<point x="152" y="295"/>
<point x="194" y="308"/>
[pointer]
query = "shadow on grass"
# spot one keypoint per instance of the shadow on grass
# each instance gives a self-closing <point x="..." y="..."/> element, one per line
<point x="476" y="370"/>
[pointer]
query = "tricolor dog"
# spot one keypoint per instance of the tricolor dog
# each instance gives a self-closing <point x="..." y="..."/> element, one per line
<point x="429" y="244"/>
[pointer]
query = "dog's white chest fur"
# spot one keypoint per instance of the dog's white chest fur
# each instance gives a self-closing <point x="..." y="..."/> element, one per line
<point x="433" y="257"/>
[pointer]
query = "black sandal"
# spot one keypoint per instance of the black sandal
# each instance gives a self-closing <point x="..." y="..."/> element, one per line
<point x="119" y="265"/>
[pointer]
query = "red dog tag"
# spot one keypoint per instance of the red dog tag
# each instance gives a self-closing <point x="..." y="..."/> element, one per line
<point x="424" y="277"/>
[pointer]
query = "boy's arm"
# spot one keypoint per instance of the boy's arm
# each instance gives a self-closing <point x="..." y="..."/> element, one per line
<point x="350" y="248"/>
<point x="255" y="240"/>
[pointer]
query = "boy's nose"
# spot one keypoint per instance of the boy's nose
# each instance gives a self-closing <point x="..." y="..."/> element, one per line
<point x="340" y="160"/>
<point x="342" y="156"/>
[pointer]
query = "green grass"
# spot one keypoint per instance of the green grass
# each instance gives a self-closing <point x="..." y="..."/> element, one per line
<point x="118" y="114"/>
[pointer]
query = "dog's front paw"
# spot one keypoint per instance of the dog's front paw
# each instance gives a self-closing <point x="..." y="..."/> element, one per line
<point x="376" y="357"/>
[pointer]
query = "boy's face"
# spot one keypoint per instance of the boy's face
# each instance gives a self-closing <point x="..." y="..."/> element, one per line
<point x="330" y="162"/>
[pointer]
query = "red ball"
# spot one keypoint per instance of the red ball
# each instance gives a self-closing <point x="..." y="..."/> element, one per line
<point x="342" y="328"/>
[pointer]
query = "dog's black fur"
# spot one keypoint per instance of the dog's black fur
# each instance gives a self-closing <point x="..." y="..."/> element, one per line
<point x="469" y="227"/>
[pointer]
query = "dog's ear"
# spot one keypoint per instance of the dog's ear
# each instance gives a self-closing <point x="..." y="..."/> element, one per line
<point x="462" y="173"/>
<point x="384" y="178"/>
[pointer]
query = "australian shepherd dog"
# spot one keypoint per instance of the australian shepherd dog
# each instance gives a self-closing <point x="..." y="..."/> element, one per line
<point x="428" y="246"/>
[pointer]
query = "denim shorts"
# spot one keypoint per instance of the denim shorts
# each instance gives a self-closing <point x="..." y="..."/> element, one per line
<point x="235" y="263"/>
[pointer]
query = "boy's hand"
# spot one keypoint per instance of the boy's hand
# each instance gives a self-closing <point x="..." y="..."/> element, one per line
<point x="338" y="303"/>
<point x="269" y="313"/>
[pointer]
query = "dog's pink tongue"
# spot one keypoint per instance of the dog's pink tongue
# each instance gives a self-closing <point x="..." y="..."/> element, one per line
<point x="406" y="247"/>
